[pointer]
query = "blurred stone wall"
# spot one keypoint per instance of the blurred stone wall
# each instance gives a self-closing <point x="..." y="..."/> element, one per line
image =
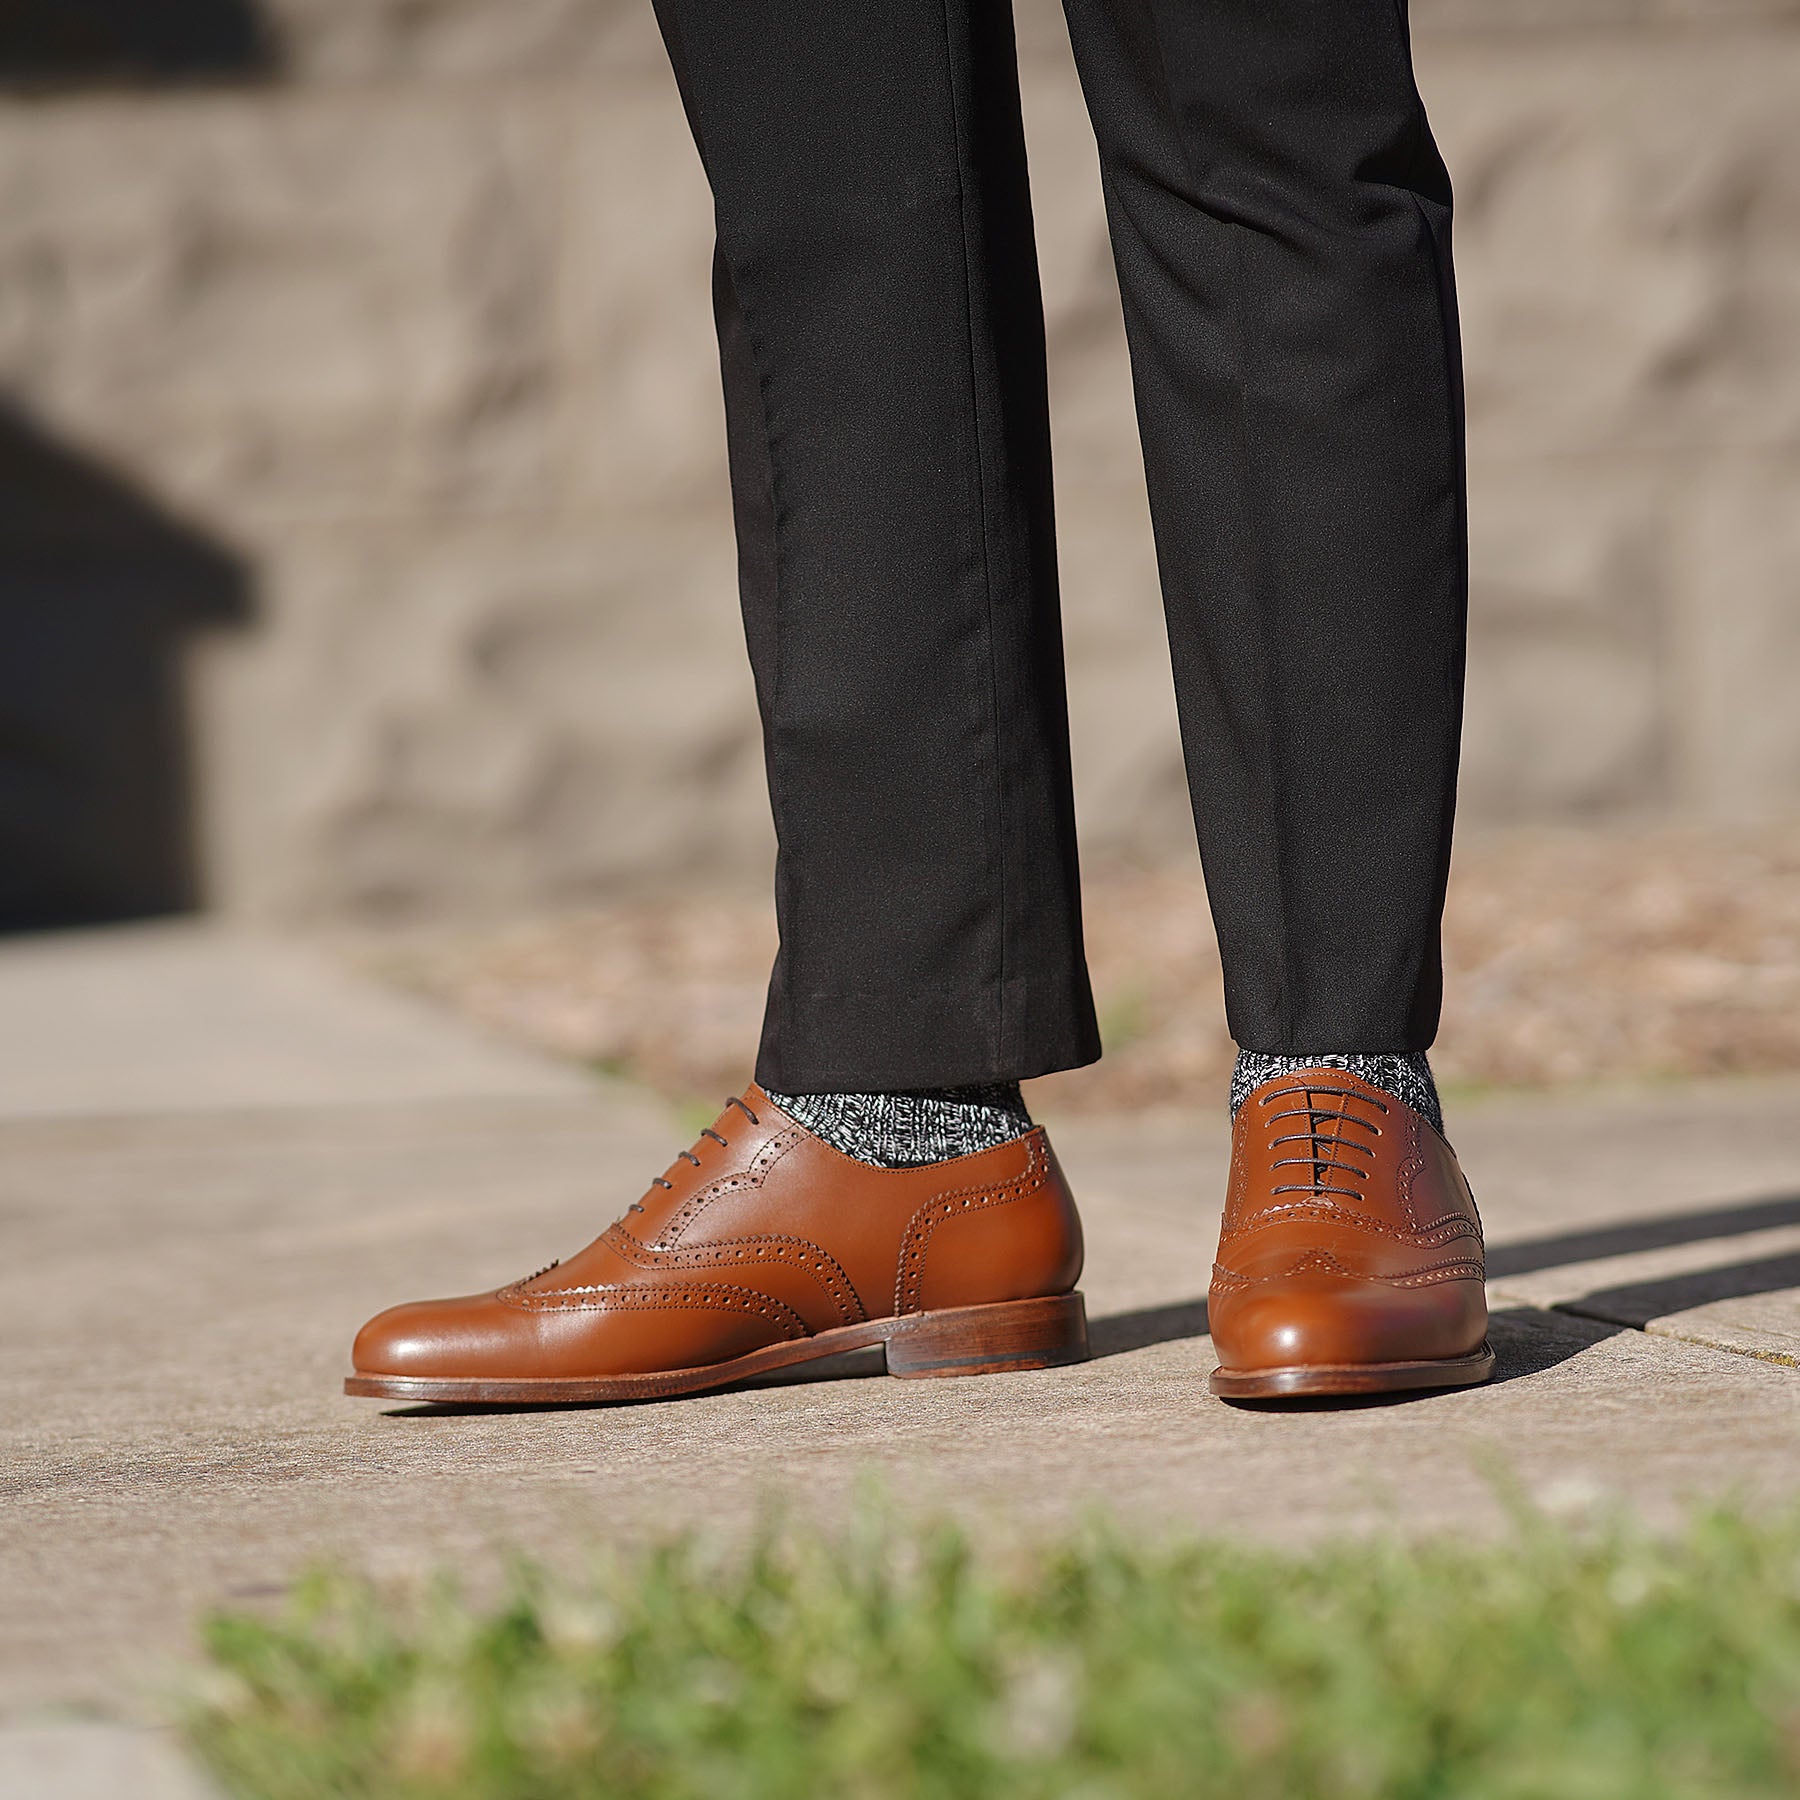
<point x="408" y="318"/>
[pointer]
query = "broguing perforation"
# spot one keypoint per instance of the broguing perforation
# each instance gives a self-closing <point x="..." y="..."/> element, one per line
<point x="686" y="1296"/>
<point x="917" y="1240"/>
<point x="753" y="1175"/>
<point x="797" y="1253"/>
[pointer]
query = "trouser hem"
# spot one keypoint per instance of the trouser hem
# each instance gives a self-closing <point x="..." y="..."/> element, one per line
<point x="883" y="1041"/>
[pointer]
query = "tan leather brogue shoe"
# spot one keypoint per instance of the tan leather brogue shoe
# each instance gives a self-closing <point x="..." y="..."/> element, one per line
<point x="764" y="1246"/>
<point x="1350" y="1260"/>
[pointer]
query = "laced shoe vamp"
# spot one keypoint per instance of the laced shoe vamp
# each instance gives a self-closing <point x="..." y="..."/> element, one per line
<point x="1349" y="1235"/>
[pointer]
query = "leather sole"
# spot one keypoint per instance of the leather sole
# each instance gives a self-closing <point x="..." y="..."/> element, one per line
<point x="959" y="1340"/>
<point x="1352" y="1378"/>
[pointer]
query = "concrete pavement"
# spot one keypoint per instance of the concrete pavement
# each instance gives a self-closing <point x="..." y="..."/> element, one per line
<point x="217" y="1156"/>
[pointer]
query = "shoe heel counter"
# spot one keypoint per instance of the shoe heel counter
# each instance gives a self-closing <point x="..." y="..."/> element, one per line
<point x="1015" y="1238"/>
<point x="1065" y="1223"/>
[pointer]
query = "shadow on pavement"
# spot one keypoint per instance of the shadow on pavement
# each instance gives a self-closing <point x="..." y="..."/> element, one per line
<point x="1632" y="1303"/>
<point x="1526" y="1341"/>
<point x="1529" y="1341"/>
<point x="1121" y="1332"/>
<point x="1626" y="1236"/>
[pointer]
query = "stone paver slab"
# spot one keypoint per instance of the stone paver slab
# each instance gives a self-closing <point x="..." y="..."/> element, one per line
<point x="196" y="1017"/>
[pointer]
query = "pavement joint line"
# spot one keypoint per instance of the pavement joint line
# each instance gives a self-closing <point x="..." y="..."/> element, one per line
<point x="1653" y="1328"/>
<point x="1780" y="1358"/>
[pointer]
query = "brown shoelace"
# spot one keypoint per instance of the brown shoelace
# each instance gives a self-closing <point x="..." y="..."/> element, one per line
<point x="688" y="1155"/>
<point x="637" y="1206"/>
<point x="1328" y="1148"/>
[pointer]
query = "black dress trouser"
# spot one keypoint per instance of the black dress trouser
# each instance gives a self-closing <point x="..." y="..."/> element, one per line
<point x="1280" y="220"/>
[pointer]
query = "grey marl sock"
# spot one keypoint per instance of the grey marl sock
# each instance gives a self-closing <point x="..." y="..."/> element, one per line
<point x="905" y="1130"/>
<point x="1407" y="1078"/>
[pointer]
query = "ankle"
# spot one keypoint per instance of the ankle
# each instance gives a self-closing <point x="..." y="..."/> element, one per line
<point x="906" y="1130"/>
<point x="1407" y="1078"/>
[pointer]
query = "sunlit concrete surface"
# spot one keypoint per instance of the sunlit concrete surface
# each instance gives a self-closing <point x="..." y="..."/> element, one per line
<point x="183" y="1275"/>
